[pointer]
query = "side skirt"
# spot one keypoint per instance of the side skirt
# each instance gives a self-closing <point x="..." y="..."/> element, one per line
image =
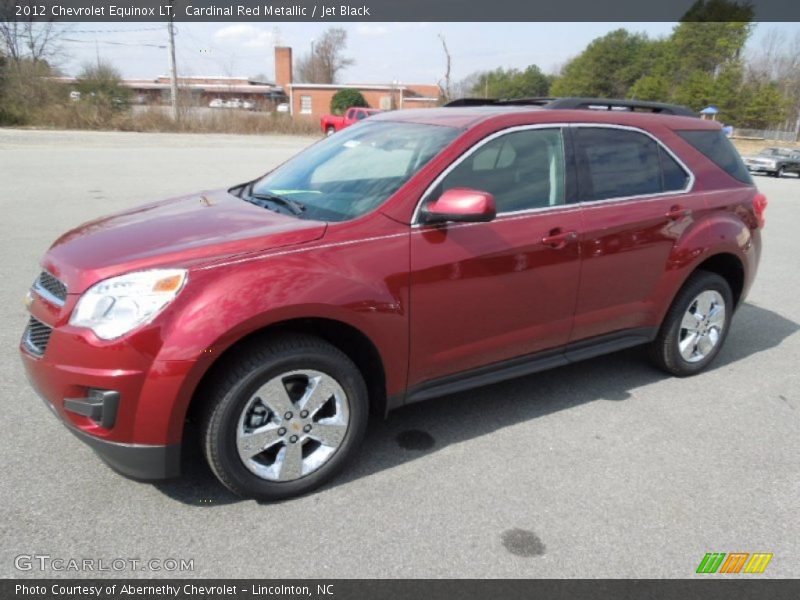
<point x="526" y="365"/>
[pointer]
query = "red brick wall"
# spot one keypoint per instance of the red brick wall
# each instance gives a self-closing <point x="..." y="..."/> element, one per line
<point x="321" y="101"/>
<point x="283" y="67"/>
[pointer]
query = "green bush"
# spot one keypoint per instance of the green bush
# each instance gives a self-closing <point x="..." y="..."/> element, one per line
<point x="347" y="98"/>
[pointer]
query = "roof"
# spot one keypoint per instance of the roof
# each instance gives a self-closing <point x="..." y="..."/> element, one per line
<point x="468" y="116"/>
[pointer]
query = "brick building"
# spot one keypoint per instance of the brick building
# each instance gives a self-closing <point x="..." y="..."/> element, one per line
<point x="312" y="100"/>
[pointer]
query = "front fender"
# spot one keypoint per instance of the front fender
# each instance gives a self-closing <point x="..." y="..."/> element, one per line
<point x="357" y="287"/>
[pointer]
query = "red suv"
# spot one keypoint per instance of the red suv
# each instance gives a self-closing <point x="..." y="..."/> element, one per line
<point x="416" y="254"/>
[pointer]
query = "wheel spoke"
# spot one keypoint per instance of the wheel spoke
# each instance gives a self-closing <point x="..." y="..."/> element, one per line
<point x="690" y="321"/>
<point x="704" y="301"/>
<point x="290" y="462"/>
<point x="687" y="345"/>
<point x="328" y="434"/>
<point x="255" y="442"/>
<point x="704" y="345"/>
<point x="717" y="316"/>
<point x="318" y="392"/>
<point x="276" y="398"/>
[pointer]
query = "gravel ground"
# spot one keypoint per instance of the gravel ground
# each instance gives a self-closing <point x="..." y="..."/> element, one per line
<point x="606" y="468"/>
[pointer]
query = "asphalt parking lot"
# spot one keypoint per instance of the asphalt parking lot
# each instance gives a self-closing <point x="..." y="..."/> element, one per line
<point x="606" y="468"/>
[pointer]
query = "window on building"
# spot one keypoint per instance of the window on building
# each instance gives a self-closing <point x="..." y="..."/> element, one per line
<point x="305" y="105"/>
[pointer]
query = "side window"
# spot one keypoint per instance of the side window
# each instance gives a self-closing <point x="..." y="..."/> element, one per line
<point x="522" y="170"/>
<point x="720" y="150"/>
<point x="361" y="115"/>
<point x="673" y="176"/>
<point x="351" y="114"/>
<point x="615" y="163"/>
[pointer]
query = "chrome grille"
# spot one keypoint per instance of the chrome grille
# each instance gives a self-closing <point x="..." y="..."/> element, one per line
<point x="36" y="336"/>
<point x="50" y="288"/>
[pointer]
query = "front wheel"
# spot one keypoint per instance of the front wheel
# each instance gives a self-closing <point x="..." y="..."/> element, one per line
<point x="284" y="417"/>
<point x="695" y="327"/>
<point x="781" y="172"/>
<point x="330" y="131"/>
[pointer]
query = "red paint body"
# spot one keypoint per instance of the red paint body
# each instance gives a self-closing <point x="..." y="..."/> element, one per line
<point x="433" y="300"/>
<point x="352" y="116"/>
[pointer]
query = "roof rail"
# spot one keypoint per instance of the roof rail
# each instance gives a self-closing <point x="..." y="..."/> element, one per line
<point x="582" y="104"/>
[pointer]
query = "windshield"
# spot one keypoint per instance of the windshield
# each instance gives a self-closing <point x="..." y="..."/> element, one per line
<point x="353" y="172"/>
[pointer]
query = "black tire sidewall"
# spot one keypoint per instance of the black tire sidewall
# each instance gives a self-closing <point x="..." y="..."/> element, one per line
<point x="228" y="411"/>
<point x="701" y="282"/>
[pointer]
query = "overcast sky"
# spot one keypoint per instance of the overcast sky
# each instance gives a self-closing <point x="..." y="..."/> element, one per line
<point x="383" y="52"/>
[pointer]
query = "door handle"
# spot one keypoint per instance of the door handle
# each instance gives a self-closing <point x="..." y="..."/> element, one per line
<point x="678" y="212"/>
<point x="558" y="238"/>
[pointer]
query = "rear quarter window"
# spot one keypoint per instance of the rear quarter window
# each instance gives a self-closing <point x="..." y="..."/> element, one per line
<point x="719" y="149"/>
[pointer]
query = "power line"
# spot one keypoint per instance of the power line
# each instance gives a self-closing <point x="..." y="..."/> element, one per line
<point x="114" y="30"/>
<point x="138" y="44"/>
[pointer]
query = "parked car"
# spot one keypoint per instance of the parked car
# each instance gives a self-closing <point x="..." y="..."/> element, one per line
<point x="333" y="123"/>
<point x="413" y="255"/>
<point x="283" y="107"/>
<point x="217" y="103"/>
<point x="774" y="161"/>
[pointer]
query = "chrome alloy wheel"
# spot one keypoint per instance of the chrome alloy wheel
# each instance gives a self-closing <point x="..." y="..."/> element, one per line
<point x="292" y="425"/>
<point x="701" y="326"/>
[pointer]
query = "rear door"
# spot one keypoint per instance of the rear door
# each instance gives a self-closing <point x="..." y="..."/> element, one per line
<point x="635" y="205"/>
<point x="482" y="293"/>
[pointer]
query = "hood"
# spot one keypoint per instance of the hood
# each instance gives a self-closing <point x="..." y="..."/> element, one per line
<point x="176" y="232"/>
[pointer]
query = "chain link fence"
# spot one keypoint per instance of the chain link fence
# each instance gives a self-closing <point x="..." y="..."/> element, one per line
<point x="766" y="134"/>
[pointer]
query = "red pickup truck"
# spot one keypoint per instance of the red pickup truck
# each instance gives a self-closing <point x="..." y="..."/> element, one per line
<point x="333" y="123"/>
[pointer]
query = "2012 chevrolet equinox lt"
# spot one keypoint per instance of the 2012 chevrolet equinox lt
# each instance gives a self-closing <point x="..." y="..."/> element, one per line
<point x="415" y="254"/>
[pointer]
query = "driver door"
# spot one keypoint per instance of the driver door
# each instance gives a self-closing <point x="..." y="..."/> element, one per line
<point x="484" y="293"/>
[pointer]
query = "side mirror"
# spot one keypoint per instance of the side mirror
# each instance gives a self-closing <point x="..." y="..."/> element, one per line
<point x="460" y="205"/>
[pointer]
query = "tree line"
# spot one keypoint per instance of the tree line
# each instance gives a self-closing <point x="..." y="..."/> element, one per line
<point x="701" y="63"/>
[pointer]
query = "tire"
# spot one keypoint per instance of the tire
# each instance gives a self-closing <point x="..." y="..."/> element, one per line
<point x="781" y="172"/>
<point x="330" y="131"/>
<point x="238" y="421"/>
<point x="687" y="308"/>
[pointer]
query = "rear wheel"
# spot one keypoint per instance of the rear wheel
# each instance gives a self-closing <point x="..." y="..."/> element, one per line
<point x="695" y="327"/>
<point x="284" y="417"/>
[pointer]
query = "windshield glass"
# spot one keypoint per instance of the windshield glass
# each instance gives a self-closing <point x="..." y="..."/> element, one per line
<point x="353" y="172"/>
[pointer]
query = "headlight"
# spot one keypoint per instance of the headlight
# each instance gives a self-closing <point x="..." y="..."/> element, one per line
<point x="118" y="305"/>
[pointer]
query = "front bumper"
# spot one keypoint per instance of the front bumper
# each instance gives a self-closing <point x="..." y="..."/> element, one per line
<point x="141" y="436"/>
<point x="138" y="461"/>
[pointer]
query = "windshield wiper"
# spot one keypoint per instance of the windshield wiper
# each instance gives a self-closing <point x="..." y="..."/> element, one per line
<point x="294" y="206"/>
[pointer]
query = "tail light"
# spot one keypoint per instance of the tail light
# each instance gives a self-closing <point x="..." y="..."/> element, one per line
<point x="760" y="207"/>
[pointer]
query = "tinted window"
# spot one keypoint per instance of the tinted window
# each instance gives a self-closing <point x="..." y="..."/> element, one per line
<point x="719" y="149"/>
<point x="522" y="170"/>
<point x="614" y="163"/>
<point x="673" y="175"/>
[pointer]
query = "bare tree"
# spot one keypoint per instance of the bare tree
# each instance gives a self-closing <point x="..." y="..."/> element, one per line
<point x="326" y="60"/>
<point x="24" y="39"/>
<point x="777" y="61"/>
<point x="447" y="87"/>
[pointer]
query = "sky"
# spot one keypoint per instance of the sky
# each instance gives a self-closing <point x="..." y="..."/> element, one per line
<point x="383" y="52"/>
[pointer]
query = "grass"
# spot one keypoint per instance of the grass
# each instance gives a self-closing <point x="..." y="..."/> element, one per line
<point x="83" y="115"/>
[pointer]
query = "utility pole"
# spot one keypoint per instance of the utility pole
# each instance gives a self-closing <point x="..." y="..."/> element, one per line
<point x="173" y="80"/>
